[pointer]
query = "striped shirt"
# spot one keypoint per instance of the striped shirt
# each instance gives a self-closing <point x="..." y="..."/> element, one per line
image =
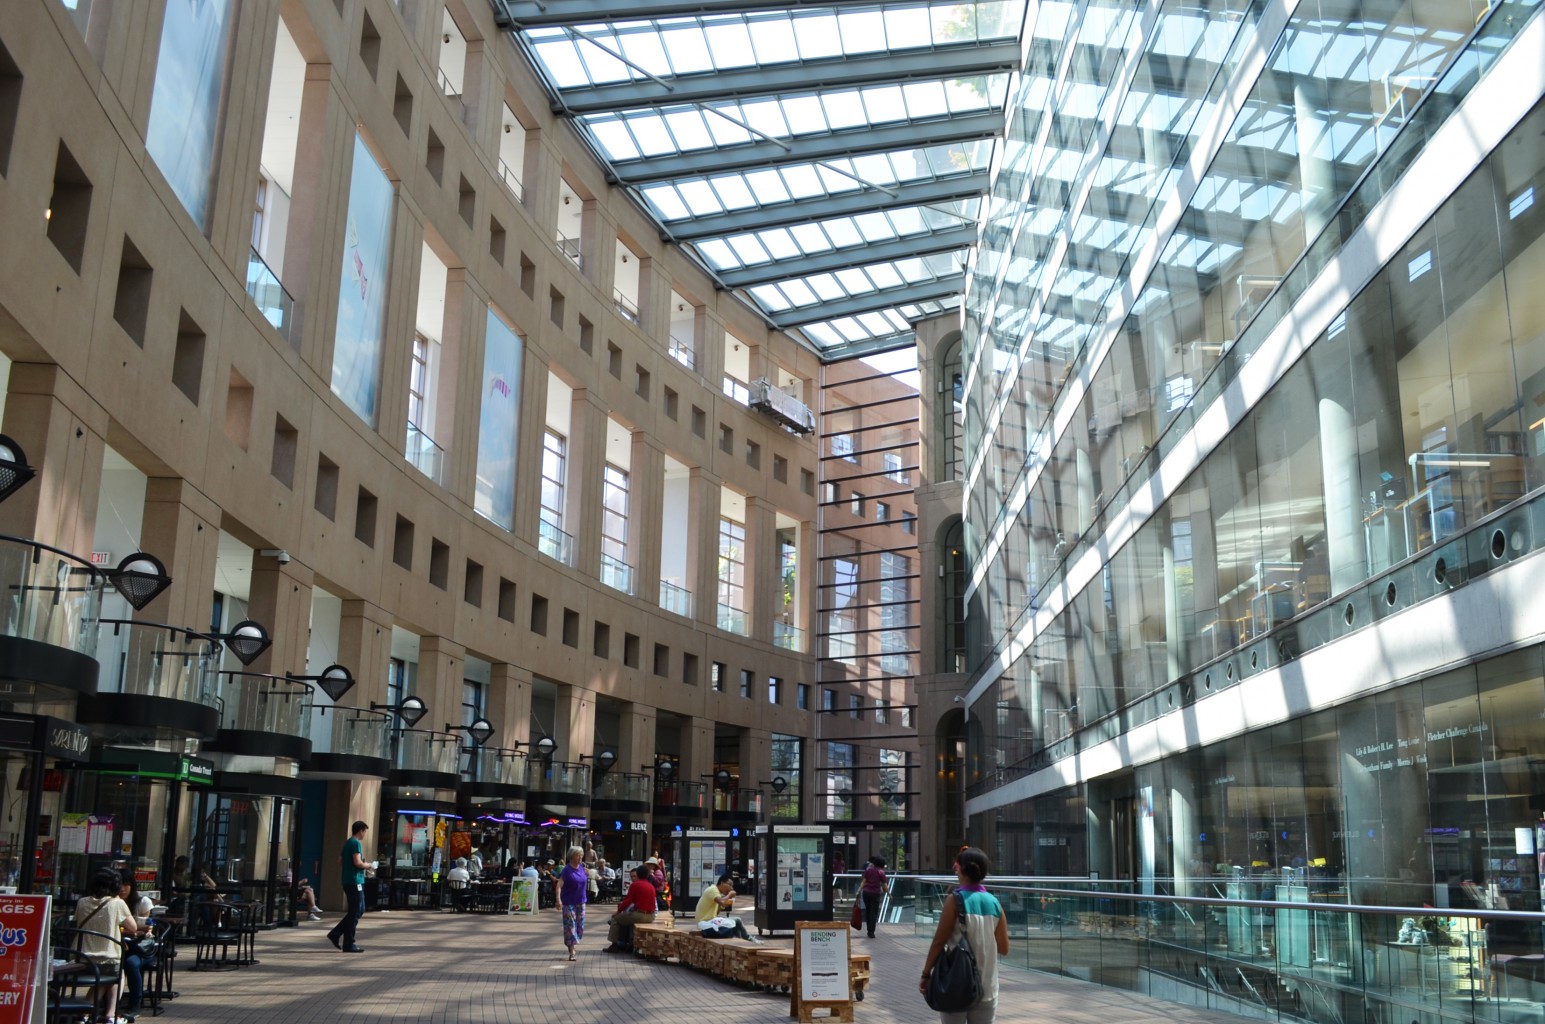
<point x="982" y="913"/>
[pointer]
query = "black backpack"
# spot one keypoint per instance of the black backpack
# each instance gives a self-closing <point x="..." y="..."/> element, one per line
<point x="955" y="983"/>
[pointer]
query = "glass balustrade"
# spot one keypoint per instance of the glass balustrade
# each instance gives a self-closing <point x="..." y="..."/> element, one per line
<point x="621" y="787"/>
<point x="50" y="596"/>
<point x="742" y="801"/>
<point x="253" y="702"/>
<point x="421" y="750"/>
<point x="787" y="636"/>
<point x="617" y="574"/>
<point x="554" y="543"/>
<point x="558" y="777"/>
<point x="732" y="620"/>
<point x="152" y="660"/>
<point x="499" y="766"/>
<point x="276" y="305"/>
<point x="677" y="796"/>
<point x="356" y="732"/>
<point x="423" y="454"/>
<point x="677" y="600"/>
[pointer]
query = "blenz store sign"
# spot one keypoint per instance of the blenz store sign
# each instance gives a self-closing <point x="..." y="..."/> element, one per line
<point x="52" y="736"/>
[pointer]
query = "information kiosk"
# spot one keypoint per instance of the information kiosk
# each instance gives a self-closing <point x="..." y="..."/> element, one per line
<point x="794" y="867"/>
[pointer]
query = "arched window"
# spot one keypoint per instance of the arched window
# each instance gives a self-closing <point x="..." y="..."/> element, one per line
<point x="952" y="411"/>
<point x="952" y="555"/>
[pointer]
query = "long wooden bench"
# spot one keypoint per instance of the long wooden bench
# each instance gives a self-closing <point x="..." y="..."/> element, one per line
<point x="770" y="968"/>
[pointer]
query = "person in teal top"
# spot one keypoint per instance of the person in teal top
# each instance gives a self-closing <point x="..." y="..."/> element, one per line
<point x="351" y="862"/>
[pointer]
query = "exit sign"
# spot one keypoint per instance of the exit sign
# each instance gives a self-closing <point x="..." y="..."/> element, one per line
<point x="101" y="558"/>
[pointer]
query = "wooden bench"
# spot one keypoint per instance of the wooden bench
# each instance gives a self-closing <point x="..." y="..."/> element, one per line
<point x="770" y="968"/>
<point x="657" y="941"/>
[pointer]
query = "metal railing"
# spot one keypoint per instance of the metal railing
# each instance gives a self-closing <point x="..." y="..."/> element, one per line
<point x="276" y="304"/>
<point x="732" y="620"/>
<point x="683" y="352"/>
<point x="554" y="543"/>
<point x="155" y="660"/>
<point x="788" y="636"/>
<point x="423" y="454"/>
<point x="51" y="596"/>
<point x="513" y="183"/>
<point x="674" y="599"/>
<point x="569" y="247"/>
<point x="625" y="306"/>
<point x="737" y="389"/>
<point x="422" y="750"/>
<point x="616" y="573"/>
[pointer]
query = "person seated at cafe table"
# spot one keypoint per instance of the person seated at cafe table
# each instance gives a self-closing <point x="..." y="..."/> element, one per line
<point x="637" y="907"/>
<point x="714" y="920"/>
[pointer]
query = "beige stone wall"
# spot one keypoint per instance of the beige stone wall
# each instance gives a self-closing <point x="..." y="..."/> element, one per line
<point x="80" y="383"/>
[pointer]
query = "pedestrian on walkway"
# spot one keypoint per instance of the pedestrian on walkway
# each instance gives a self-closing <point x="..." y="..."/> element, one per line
<point x="573" y="893"/>
<point x="873" y="891"/>
<point x="352" y="865"/>
<point x="986" y="928"/>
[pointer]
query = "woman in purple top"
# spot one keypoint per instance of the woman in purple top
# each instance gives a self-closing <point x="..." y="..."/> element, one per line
<point x="873" y="891"/>
<point x="573" y="894"/>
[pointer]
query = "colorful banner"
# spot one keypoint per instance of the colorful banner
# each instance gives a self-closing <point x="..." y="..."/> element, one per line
<point x="523" y="896"/>
<point x="186" y="101"/>
<point x="23" y="925"/>
<point x="498" y="423"/>
<point x="358" y="340"/>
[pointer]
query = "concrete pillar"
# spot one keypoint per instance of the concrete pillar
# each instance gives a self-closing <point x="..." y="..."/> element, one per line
<point x="1316" y="180"/>
<point x="764" y="585"/>
<point x="60" y="428"/>
<point x="703" y="557"/>
<point x="582" y="490"/>
<point x="1345" y="540"/>
<point x="509" y="704"/>
<point x="440" y="663"/>
<point x="1174" y="616"/>
<point x="528" y="445"/>
<point x="696" y="749"/>
<point x="313" y="242"/>
<point x="181" y="527"/>
<point x="280" y="599"/>
<point x="646" y="506"/>
<point x="574" y="723"/>
<point x="453" y="422"/>
<point x="365" y="648"/>
<point x="636" y="738"/>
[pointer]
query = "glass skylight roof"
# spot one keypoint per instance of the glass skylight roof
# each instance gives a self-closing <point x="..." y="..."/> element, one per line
<point x="829" y="162"/>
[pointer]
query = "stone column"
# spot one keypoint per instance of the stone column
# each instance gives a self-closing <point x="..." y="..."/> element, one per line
<point x="1346" y="543"/>
<point x="764" y="587"/>
<point x="696" y="749"/>
<point x="181" y="527"/>
<point x="509" y="704"/>
<point x="280" y="599"/>
<point x="582" y="488"/>
<point x="365" y="648"/>
<point x="574" y="723"/>
<point x="646" y="507"/>
<point x="440" y="663"/>
<point x="636" y="738"/>
<point x="703" y="556"/>
<point x="60" y="428"/>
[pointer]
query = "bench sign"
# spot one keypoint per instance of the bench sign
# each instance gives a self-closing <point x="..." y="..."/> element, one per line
<point x="823" y="964"/>
<point x="23" y="921"/>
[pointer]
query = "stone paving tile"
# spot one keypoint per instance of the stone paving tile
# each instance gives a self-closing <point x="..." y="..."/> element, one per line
<point x="471" y="969"/>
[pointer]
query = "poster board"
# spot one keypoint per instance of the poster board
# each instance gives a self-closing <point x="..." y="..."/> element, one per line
<point x="23" y="932"/>
<point x="523" y="895"/>
<point x="821" y="976"/>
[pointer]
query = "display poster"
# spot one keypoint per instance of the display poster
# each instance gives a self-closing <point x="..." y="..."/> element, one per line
<point x="72" y="832"/>
<point x="99" y="834"/>
<point x="707" y="861"/>
<point x="523" y="896"/>
<point x="823" y="963"/>
<point x="360" y="330"/>
<point x="800" y="874"/>
<point x="23" y="923"/>
<point x="498" y="423"/>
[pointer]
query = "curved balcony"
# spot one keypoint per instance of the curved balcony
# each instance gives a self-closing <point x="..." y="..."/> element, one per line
<point x="498" y="777"/>
<point x="359" y="744"/>
<point x="427" y="759"/>
<point x="620" y="793"/>
<point x="558" y="790"/>
<point x="263" y="715"/>
<point x="737" y="806"/>
<point x="678" y="802"/>
<point x="158" y="677"/>
<point x="48" y="624"/>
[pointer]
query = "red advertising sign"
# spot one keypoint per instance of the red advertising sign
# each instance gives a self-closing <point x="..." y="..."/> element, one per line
<point x="23" y="926"/>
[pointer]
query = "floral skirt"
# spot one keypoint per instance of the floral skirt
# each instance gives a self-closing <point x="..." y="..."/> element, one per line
<point x="573" y="924"/>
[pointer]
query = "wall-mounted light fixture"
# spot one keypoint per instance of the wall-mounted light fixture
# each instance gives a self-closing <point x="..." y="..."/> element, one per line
<point x="479" y="732"/>
<point x="410" y="711"/>
<point x="335" y="681"/>
<point x="140" y="578"/>
<point x="14" y="471"/>
<point x="247" y="640"/>
<point x="603" y="761"/>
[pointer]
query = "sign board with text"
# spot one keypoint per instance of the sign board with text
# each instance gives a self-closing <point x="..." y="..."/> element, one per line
<point x="821" y="977"/>
<point x="23" y="957"/>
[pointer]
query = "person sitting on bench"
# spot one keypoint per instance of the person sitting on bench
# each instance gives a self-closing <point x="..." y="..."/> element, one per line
<point x="637" y="907"/>
<point x="713" y="912"/>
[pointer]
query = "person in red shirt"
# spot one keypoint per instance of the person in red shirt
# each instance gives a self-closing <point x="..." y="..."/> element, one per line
<point x="637" y="907"/>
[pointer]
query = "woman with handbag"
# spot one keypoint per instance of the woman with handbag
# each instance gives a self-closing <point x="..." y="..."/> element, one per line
<point x="872" y="892"/>
<point x="139" y="947"/>
<point x="974" y="915"/>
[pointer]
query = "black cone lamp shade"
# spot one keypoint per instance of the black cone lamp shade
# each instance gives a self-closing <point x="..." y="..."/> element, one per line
<point x="140" y="578"/>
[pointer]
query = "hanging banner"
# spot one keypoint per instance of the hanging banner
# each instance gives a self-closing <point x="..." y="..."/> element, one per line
<point x="23" y="923"/>
<point x="497" y="425"/>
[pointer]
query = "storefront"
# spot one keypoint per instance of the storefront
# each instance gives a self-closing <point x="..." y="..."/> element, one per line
<point x="494" y="809"/>
<point x="679" y="806"/>
<point x="247" y="840"/>
<point x="127" y="807"/>
<point x="557" y="808"/>
<point x="620" y="819"/>
<point x="31" y="749"/>
<point x="418" y="808"/>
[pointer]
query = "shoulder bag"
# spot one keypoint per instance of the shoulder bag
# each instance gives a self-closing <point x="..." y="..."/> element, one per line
<point x="955" y="984"/>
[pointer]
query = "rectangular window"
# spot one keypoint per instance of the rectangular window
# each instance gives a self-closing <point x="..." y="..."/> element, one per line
<point x="895" y="613"/>
<point x="856" y="504"/>
<point x="841" y="621"/>
<point x="909" y="523"/>
<point x="842" y="447"/>
<point x="473" y="700"/>
<point x="732" y="575"/>
<point x="787" y="759"/>
<point x="554" y="456"/>
<point x="855" y="706"/>
<point x="614" y="513"/>
<point x="360" y="332"/>
<point x="745" y="683"/>
<point x="188" y="98"/>
<point x="802" y="696"/>
<point x="774" y="690"/>
<point x="839" y="778"/>
<point x="881" y="710"/>
<point x="828" y="700"/>
<point x="893" y="470"/>
<point x="882" y="512"/>
<point x="418" y="382"/>
<point x="498" y="423"/>
<point x="716" y="673"/>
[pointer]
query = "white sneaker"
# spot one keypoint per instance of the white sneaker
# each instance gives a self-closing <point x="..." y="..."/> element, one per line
<point x="315" y="916"/>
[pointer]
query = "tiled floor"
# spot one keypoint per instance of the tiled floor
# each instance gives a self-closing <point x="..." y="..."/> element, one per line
<point x="466" y="969"/>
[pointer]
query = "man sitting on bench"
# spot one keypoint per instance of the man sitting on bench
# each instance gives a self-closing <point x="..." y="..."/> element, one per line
<point x="713" y="912"/>
<point x="637" y="907"/>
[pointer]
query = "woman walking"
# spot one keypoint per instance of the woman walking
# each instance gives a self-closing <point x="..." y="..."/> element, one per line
<point x="985" y="927"/>
<point x="873" y="890"/>
<point x="573" y="894"/>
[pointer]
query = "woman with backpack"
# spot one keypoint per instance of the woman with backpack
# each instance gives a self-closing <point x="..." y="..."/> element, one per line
<point x="972" y="913"/>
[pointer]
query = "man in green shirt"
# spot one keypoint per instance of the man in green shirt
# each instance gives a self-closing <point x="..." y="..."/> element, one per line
<point x="352" y="864"/>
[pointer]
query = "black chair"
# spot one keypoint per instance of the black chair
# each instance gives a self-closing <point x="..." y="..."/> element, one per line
<point x="74" y="990"/>
<point x="212" y="930"/>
